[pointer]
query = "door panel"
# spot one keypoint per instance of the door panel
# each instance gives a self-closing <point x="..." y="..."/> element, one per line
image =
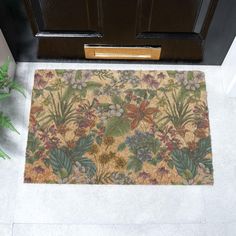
<point x="64" y="27"/>
<point x="73" y="15"/>
<point x="119" y="20"/>
<point x="168" y="15"/>
<point x="67" y="17"/>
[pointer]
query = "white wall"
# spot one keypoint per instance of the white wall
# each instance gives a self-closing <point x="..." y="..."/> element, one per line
<point x="6" y="53"/>
<point x="228" y="71"/>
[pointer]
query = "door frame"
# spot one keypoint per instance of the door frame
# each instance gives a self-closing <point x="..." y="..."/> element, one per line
<point x="221" y="33"/>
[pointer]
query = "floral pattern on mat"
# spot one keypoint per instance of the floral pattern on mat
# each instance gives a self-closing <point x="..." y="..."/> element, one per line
<point x="119" y="127"/>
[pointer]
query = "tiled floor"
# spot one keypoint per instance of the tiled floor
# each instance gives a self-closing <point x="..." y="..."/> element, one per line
<point x="58" y="210"/>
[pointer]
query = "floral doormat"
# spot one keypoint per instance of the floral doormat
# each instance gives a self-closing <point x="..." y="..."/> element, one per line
<point x="119" y="127"/>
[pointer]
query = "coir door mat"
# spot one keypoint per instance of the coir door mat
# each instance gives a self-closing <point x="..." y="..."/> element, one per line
<point x="119" y="127"/>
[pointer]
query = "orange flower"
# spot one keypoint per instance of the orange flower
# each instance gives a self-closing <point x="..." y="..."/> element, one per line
<point x="33" y="122"/>
<point x="192" y="145"/>
<point x="141" y="113"/>
<point x="200" y="133"/>
<point x="36" y="109"/>
<point x="71" y="144"/>
<point x="62" y="129"/>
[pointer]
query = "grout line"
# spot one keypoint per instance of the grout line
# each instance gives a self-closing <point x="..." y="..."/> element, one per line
<point x="128" y="224"/>
<point x="12" y="229"/>
<point x="101" y="224"/>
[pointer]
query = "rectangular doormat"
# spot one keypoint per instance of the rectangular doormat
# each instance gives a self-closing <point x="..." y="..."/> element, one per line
<point x="119" y="127"/>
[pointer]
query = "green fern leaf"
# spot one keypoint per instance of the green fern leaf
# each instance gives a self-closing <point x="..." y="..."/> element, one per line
<point x="60" y="162"/>
<point x="4" y="95"/>
<point x="5" y="122"/>
<point x="134" y="164"/>
<point x="88" y="164"/>
<point x="3" y="154"/>
<point x="83" y="145"/>
<point x="4" y="70"/>
<point x="18" y="87"/>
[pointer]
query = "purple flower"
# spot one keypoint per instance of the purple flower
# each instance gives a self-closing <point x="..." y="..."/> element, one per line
<point x="190" y="83"/>
<point x="141" y="145"/>
<point x="75" y="80"/>
<point x="69" y="76"/>
<point x="49" y="74"/>
<point x="144" y="154"/>
<point x="147" y="78"/>
<point x="154" y="181"/>
<point x="86" y="75"/>
<point x="181" y="77"/>
<point x="39" y="82"/>
<point x="161" y="76"/>
<point x="144" y="175"/>
<point x="162" y="171"/>
<point x="129" y="76"/>
<point x="39" y="170"/>
<point x="150" y="81"/>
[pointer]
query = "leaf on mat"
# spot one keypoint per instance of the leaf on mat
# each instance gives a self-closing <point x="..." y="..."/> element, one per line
<point x="117" y="126"/>
<point x="60" y="162"/>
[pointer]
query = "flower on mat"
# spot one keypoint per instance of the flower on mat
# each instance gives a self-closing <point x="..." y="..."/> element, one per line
<point x="140" y="113"/>
<point x="150" y="81"/>
<point x="115" y="110"/>
<point x="39" y="82"/>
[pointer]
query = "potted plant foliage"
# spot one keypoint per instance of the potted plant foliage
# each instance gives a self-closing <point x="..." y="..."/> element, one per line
<point x="7" y="84"/>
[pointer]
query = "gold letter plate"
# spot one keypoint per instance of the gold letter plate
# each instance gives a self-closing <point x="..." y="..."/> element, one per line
<point x="122" y="53"/>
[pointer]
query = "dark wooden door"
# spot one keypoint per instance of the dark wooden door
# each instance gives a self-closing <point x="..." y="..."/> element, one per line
<point x="178" y="27"/>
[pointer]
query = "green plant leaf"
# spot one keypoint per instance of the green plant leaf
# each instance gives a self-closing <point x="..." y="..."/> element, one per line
<point x="143" y="93"/>
<point x="83" y="145"/>
<point x="208" y="164"/>
<point x="104" y="177"/>
<point x="60" y="108"/>
<point x="103" y="74"/>
<point x="4" y="69"/>
<point x="117" y="100"/>
<point x="4" y="95"/>
<point x="134" y="164"/>
<point x="18" y="87"/>
<point x="3" y="154"/>
<point x="152" y="94"/>
<point x="78" y="75"/>
<point x="92" y="85"/>
<point x="184" y="163"/>
<point x="31" y="160"/>
<point x="88" y="164"/>
<point x="34" y="146"/>
<point x="99" y="140"/>
<point x="104" y="106"/>
<point x="60" y="72"/>
<point x="170" y="164"/>
<point x="171" y="73"/>
<point x="83" y="92"/>
<point x="121" y="147"/>
<point x="190" y="75"/>
<point x="155" y="160"/>
<point x="46" y="162"/>
<point x="5" y="122"/>
<point x="33" y="142"/>
<point x="203" y="148"/>
<point x="178" y="110"/>
<point x="60" y="162"/>
<point x="155" y="145"/>
<point x="117" y="126"/>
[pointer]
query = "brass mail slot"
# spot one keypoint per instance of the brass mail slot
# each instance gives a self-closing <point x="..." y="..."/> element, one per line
<point x="122" y="53"/>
